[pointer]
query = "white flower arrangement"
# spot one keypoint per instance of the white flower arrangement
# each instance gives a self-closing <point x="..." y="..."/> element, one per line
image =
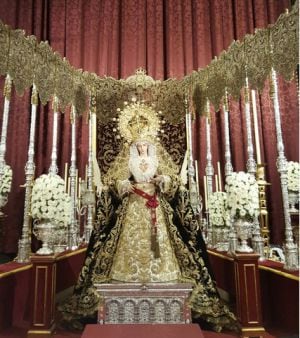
<point x="217" y="205"/>
<point x="242" y="196"/>
<point x="293" y="176"/>
<point x="49" y="200"/>
<point x="5" y="184"/>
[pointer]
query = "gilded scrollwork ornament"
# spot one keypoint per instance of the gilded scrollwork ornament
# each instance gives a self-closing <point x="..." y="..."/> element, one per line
<point x="23" y="58"/>
<point x="64" y="82"/>
<point x="21" y="63"/>
<point x="215" y="83"/>
<point x="234" y="69"/>
<point x="169" y="98"/>
<point x="45" y="61"/>
<point x="81" y="93"/>
<point x="5" y="32"/>
<point x="110" y="93"/>
<point x="285" y="39"/>
<point x="257" y="58"/>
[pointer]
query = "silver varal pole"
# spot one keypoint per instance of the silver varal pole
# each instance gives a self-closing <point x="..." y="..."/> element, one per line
<point x="88" y="226"/>
<point x="257" y="240"/>
<point x="53" y="166"/>
<point x="251" y="163"/>
<point x="73" y="232"/>
<point x="209" y="171"/>
<point x="290" y="248"/>
<point x="7" y="95"/>
<point x="193" y="191"/>
<point x="232" y="238"/>
<point x="25" y="241"/>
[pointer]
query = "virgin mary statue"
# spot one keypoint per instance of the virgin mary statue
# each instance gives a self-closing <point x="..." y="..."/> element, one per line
<point x="145" y="230"/>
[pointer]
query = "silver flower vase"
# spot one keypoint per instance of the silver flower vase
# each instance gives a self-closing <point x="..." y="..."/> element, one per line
<point x="243" y="229"/>
<point x="217" y="236"/>
<point x="60" y="239"/>
<point x="44" y="231"/>
<point x="223" y="244"/>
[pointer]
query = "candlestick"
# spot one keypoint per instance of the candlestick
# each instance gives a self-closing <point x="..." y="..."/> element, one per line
<point x="220" y="177"/>
<point x="256" y="130"/>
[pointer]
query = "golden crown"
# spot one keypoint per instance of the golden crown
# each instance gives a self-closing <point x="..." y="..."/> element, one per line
<point x="138" y="121"/>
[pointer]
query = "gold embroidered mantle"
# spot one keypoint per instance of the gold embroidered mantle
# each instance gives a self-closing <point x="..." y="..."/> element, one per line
<point x="186" y="242"/>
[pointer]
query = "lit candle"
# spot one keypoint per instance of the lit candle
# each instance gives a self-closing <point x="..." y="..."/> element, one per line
<point x="78" y="196"/>
<point x="216" y="179"/>
<point x="256" y="133"/>
<point x="86" y="172"/>
<point x="197" y="178"/>
<point x="66" y="177"/>
<point x="94" y="133"/>
<point x="187" y="132"/>
<point x="190" y="135"/>
<point x="205" y="191"/>
<point x="220" y="178"/>
<point x="79" y="188"/>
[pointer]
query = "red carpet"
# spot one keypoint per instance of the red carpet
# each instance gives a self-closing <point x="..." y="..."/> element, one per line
<point x="21" y="332"/>
<point x="142" y="330"/>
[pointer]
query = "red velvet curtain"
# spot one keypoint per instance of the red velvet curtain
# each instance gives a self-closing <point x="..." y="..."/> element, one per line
<point x="169" y="38"/>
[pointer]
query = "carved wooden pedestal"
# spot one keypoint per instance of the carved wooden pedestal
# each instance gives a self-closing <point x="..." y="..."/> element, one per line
<point x="248" y="298"/>
<point x="128" y="303"/>
<point x="43" y="300"/>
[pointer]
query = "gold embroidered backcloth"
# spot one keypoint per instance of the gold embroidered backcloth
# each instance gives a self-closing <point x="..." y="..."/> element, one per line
<point x="148" y="98"/>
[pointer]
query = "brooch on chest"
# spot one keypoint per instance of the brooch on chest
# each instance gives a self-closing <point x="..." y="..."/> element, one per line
<point x="143" y="165"/>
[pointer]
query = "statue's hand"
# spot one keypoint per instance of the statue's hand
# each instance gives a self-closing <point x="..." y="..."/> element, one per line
<point x="157" y="180"/>
<point x="130" y="187"/>
<point x="125" y="187"/>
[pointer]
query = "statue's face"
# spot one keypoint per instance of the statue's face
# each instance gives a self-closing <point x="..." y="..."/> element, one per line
<point x="142" y="148"/>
